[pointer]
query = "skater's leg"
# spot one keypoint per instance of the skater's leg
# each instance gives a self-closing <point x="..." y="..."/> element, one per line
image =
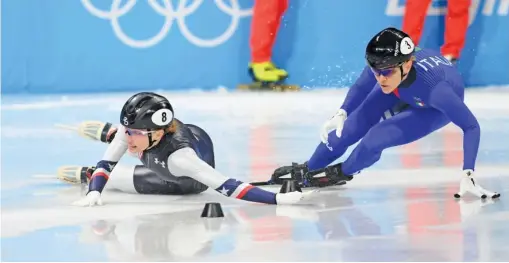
<point x="413" y="19"/>
<point x="403" y="128"/>
<point x="264" y="27"/>
<point x="356" y="126"/>
<point x="456" y="26"/>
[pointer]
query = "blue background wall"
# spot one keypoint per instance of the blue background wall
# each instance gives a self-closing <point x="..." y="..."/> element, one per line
<point x="51" y="46"/>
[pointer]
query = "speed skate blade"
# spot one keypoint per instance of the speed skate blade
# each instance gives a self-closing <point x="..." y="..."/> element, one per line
<point x="270" y="183"/>
<point x="66" y="127"/>
<point x="260" y="183"/>
<point x="44" y="176"/>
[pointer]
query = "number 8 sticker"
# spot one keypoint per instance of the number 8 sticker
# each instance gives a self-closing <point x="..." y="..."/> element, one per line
<point x="162" y="117"/>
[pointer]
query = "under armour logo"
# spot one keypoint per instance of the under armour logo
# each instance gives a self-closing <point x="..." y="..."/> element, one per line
<point x="159" y="162"/>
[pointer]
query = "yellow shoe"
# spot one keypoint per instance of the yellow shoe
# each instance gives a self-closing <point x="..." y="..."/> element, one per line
<point x="283" y="74"/>
<point x="267" y="72"/>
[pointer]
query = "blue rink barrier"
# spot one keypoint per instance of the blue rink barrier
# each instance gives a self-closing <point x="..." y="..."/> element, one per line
<point x="62" y="46"/>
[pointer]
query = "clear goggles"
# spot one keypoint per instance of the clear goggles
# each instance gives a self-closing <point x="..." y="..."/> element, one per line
<point x="132" y="132"/>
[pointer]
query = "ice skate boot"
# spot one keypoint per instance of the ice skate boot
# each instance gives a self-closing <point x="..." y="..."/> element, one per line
<point x="75" y="174"/>
<point x="328" y="176"/>
<point x="94" y="130"/>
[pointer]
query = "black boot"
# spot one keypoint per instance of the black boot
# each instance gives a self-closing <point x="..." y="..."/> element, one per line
<point x="294" y="172"/>
<point x="328" y="176"/>
<point x="75" y="174"/>
<point x="98" y="131"/>
<point x="108" y="133"/>
<point x="86" y="174"/>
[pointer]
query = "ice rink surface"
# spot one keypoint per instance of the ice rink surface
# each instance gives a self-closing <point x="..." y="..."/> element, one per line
<point x="401" y="209"/>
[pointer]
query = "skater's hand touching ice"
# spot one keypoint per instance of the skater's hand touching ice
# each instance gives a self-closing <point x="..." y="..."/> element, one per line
<point x="469" y="184"/>
<point x="296" y="197"/>
<point x="93" y="198"/>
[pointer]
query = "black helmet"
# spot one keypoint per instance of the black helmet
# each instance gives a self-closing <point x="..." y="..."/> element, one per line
<point x="389" y="48"/>
<point x="146" y="110"/>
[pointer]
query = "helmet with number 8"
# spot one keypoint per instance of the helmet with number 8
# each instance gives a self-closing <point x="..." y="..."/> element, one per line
<point x="146" y="110"/>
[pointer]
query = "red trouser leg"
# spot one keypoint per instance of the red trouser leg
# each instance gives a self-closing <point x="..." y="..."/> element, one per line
<point x="413" y="20"/>
<point x="264" y="26"/>
<point x="456" y="26"/>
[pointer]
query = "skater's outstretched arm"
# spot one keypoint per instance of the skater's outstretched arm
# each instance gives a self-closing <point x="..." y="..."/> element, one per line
<point x="116" y="149"/>
<point x="185" y="162"/>
<point x="443" y="98"/>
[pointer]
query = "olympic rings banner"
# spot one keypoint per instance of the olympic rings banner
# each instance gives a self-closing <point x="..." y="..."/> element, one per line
<point x="62" y="46"/>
